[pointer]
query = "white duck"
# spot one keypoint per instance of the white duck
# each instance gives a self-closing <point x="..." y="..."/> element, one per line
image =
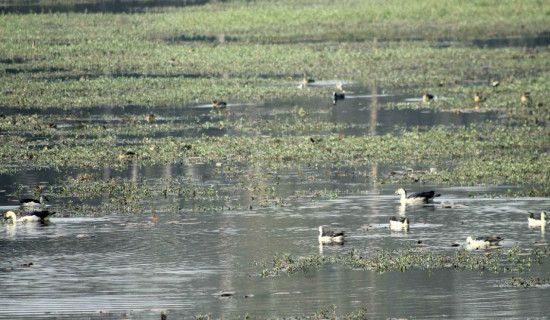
<point x="330" y="236"/>
<point x="416" y="197"/>
<point x="482" y="242"/>
<point x="29" y="203"/>
<point x="35" y="216"/>
<point x="399" y="223"/>
<point x="537" y="220"/>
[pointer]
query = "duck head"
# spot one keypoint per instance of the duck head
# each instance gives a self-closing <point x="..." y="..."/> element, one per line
<point x="10" y="215"/>
<point x="400" y="191"/>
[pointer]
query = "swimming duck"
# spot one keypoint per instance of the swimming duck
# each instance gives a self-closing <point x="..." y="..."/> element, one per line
<point x="526" y="97"/>
<point x="31" y="203"/>
<point x="478" y="98"/>
<point x="337" y="96"/>
<point x="482" y="242"/>
<point x="35" y="216"/>
<point x="537" y="220"/>
<point x="417" y="197"/>
<point x="330" y="236"/>
<point x="307" y="80"/>
<point x="218" y="104"/>
<point x="399" y="223"/>
<point x="427" y="97"/>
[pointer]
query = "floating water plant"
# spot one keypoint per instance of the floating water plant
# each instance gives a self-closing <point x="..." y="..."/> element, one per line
<point x="498" y="261"/>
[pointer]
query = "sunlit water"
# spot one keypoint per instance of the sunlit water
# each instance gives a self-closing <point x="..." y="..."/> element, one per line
<point x="125" y="266"/>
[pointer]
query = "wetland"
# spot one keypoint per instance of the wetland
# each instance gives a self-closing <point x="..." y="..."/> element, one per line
<point x="166" y="205"/>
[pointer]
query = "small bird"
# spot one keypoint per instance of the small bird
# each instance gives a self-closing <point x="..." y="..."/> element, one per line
<point x="33" y="203"/>
<point x="155" y="218"/>
<point x="537" y="220"/>
<point x="218" y="104"/>
<point x="399" y="223"/>
<point x="126" y="155"/>
<point x="307" y="80"/>
<point x="337" y="96"/>
<point x="526" y="97"/>
<point x="482" y="242"/>
<point x="416" y="197"/>
<point x="427" y="97"/>
<point x="478" y="98"/>
<point x="495" y="83"/>
<point x="35" y="216"/>
<point x="330" y="236"/>
<point x="150" y="118"/>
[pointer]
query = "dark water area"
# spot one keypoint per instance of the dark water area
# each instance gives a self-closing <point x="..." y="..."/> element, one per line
<point x="95" y="6"/>
<point x="540" y="40"/>
<point x="362" y="111"/>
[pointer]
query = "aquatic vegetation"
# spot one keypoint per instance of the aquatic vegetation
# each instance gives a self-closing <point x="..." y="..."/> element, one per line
<point x="288" y="264"/>
<point x="499" y="261"/>
<point x="325" y="313"/>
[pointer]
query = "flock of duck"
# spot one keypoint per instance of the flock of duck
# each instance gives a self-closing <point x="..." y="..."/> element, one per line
<point x="339" y="94"/>
<point x="32" y="209"/>
<point x="327" y="236"/>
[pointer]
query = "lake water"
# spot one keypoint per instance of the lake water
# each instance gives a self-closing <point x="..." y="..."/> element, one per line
<point x="116" y="265"/>
<point x="90" y="267"/>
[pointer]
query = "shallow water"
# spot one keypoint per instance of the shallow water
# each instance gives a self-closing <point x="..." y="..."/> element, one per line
<point x="360" y="111"/>
<point x="116" y="265"/>
<point x="127" y="264"/>
<point x="105" y="6"/>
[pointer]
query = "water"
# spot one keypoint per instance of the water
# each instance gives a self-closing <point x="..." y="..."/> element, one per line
<point x="127" y="264"/>
<point x="360" y="111"/>
<point x="115" y="265"/>
<point x="104" y="6"/>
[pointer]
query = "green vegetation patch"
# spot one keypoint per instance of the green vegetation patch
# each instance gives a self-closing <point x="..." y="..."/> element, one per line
<point x="498" y="261"/>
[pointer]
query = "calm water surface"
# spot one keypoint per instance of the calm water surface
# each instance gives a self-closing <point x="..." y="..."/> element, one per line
<point x="127" y="264"/>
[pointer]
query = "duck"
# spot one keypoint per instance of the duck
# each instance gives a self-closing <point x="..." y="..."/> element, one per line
<point x="427" y="97"/>
<point x="482" y="242"/>
<point x="31" y="203"/>
<point x="307" y="80"/>
<point x="126" y="155"/>
<point x="330" y="236"/>
<point x="337" y="96"/>
<point x="537" y="220"/>
<point x="35" y="216"/>
<point x="495" y="83"/>
<point x="478" y="98"/>
<point x="340" y="86"/>
<point x="219" y="104"/>
<point x="416" y="197"/>
<point x="399" y="223"/>
<point x="150" y="118"/>
<point x="526" y="97"/>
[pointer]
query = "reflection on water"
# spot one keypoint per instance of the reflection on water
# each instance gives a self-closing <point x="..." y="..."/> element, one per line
<point x="119" y="263"/>
<point x="360" y="111"/>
